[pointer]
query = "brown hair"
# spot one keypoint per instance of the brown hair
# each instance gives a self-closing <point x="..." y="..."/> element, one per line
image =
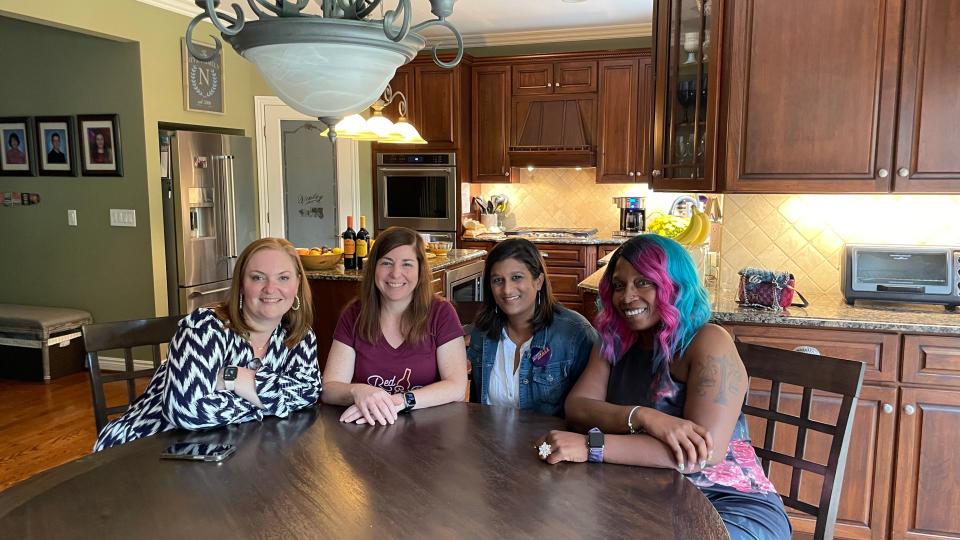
<point x="414" y="321"/>
<point x="490" y="319"/>
<point x="297" y="323"/>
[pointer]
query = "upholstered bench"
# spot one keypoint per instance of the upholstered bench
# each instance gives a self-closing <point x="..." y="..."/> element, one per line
<point x="40" y="343"/>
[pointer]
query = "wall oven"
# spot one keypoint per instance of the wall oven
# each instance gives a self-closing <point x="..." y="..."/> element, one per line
<point x="418" y="191"/>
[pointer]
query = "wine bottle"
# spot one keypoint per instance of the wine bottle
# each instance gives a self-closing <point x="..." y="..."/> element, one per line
<point x="349" y="246"/>
<point x="363" y="242"/>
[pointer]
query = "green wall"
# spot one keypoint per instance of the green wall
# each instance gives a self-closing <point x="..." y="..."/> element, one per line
<point x="100" y="56"/>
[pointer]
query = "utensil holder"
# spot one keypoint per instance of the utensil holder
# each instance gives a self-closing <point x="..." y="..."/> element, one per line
<point x="488" y="220"/>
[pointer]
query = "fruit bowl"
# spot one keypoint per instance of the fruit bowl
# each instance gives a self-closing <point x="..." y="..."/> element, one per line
<point x="441" y="248"/>
<point x="327" y="261"/>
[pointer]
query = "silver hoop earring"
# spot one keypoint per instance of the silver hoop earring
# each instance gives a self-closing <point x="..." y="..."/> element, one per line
<point x="296" y="305"/>
<point x="241" y="303"/>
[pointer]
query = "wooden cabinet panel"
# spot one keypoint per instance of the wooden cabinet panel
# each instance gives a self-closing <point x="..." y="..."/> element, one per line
<point x="402" y="82"/>
<point x="927" y="157"/>
<point x="604" y="249"/>
<point x="617" y="120"/>
<point x="437" y="282"/>
<point x="490" y="115"/>
<point x="812" y="95"/>
<point x="865" y="495"/>
<point x="931" y="360"/>
<point x="927" y="465"/>
<point x="575" y="77"/>
<point x="879" y="351"/>
<point x="438" y="101"/>
<point x="644" y="153"/>
<point x="532" y="79"/>
<point x="563" y="282"/>
<point x="476" y="244"/>
<point x="559" y="255"/>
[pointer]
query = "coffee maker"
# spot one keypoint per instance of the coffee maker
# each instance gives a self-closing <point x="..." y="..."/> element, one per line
<point x="632" y="215"/>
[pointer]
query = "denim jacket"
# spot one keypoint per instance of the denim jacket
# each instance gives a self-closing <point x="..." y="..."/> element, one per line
<point x="543" y="389"/>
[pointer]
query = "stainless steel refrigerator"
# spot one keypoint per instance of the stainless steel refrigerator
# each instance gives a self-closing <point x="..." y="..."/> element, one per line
<point x="209" y="213"/>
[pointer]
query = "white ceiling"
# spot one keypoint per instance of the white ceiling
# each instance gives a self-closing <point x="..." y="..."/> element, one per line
<point x="502" y="22"/>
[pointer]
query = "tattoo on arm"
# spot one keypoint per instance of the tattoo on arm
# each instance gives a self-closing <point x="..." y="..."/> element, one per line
<point x="721" y="373"/>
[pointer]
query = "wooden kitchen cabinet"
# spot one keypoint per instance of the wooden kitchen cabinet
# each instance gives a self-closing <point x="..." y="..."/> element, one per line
<point x="546" y="77"/>
<point x="927" y="465"/>
<point x="567" y="266"/>
<point x="929" y="112"/>
<point x="865" y="496"/>
<point x="490" y="119"/>
<point x="623" y="120"/>
<point x="933" y="360"/>
<point x="402" y="82"/>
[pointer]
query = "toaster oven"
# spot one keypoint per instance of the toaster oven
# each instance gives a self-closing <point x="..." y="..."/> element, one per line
<point x="925" y="274"/>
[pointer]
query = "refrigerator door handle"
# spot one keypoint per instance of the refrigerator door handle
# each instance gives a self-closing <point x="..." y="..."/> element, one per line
<point x="213" y="291"/>
<point x="231" y="202"/>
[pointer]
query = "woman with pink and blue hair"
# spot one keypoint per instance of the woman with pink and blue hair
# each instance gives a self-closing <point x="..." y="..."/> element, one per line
<point x="663" y="388"/>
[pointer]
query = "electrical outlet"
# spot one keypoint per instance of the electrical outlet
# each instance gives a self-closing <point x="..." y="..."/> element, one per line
<point x="72" y="218"/>
<point x="123" y="218"/>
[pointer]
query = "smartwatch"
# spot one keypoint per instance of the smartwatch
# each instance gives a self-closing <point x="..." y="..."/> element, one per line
<point x="409" y="402"/>
<point x="230" y="377"/>
<point x="595" y="446"/>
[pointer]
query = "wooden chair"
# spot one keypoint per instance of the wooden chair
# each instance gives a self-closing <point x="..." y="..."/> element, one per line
<point x="843" y="379"/>
<point x="124" y="335"/>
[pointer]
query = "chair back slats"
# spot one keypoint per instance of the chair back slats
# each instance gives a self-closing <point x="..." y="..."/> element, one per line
<point x="811" y="373"/>
<point x="125" y="335"/>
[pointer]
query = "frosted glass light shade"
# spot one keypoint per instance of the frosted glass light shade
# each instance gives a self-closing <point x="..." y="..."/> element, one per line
<point x="406" y="133"/>
<point x="326" y="80"/>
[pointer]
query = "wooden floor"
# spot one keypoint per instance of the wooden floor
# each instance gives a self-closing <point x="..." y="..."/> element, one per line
<point x="45" y="425"/>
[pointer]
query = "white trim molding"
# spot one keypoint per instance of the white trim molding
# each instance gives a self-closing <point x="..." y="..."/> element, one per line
<point x="183" y="7"/>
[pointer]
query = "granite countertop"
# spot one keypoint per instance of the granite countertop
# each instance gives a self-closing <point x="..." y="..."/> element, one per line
<point x="452" y="258"/>
<point x="604" y="238"/>
<point x="828" y="311"/>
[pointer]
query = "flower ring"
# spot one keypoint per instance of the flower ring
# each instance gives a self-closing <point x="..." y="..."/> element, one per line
<point x="545" y="450"/>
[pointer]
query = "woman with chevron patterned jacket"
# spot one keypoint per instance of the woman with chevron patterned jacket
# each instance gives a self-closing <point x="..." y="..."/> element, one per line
<point x="252" y="356"/>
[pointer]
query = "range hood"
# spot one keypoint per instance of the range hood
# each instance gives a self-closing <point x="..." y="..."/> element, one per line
<point x="555" y="132"/>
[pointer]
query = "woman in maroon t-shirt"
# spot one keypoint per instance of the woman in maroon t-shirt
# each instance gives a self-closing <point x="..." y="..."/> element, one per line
<point x="398" y="347"/>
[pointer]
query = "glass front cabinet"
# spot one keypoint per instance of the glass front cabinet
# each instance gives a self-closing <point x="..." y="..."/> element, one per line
<point x="687" y="71"/>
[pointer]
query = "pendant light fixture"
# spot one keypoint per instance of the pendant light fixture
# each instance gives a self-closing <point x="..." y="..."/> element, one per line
<point x="379" y="128"/>
<point x="330" y="65"/>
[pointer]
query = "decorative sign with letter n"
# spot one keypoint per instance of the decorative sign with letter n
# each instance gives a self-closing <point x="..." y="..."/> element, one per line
<point x="202" y="80"/>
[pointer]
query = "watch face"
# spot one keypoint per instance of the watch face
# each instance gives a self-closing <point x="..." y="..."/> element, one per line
<point x="595" y="439"/>
<point x="410" y="399"/>
<point x="230" y="373"/>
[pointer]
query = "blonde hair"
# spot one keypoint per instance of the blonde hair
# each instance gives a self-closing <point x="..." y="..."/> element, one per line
<point x="415" y="318"/>
<point x="297" y="323"/>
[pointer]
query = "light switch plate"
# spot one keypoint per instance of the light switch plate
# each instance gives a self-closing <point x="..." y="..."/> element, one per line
<point x="72" y="218"/>
<point x="123" y="218"/>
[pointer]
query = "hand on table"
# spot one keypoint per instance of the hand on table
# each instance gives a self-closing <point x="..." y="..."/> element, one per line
<point x="690" y="443"/>
<point x="372" y="405"/>
<point x="564" y="446"/>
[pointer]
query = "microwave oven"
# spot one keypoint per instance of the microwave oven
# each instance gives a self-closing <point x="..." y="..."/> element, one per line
<point x="924" y="274"/>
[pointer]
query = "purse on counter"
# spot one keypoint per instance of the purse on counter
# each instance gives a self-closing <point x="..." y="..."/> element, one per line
<point x="768" y="289"/>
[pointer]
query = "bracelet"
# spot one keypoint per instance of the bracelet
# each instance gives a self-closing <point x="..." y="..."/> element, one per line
<point x="632" y="429"/>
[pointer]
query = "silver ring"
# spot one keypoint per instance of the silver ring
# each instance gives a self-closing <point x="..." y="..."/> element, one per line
<point x="545" y="450"/>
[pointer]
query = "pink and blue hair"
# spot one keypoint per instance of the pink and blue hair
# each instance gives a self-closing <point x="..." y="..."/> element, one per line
<point x="681" y="300"/>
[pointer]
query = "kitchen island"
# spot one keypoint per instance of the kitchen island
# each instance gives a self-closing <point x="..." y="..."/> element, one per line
<point x="902" y="460"/>
<point x="333" y="289"/>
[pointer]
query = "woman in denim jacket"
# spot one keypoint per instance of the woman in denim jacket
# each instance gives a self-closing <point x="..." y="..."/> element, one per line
<point x="526" y="350"/>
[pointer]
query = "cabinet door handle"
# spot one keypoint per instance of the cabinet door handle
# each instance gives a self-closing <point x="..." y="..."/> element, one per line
<point x="630" y="173"/>
<point x="544" y="254"/>
<point x="903" y="172"/>
<point x="655" y="172"/>
<point x="556" y="84"/>
<point x="883" y="173"/>
<point x="909" y="409"/>
<point x="507" y="173"/>
<point x="887" y="408"/>
<point x="807" y="349"/>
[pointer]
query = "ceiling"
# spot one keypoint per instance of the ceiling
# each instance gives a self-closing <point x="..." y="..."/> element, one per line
<point x="505" y="22"/>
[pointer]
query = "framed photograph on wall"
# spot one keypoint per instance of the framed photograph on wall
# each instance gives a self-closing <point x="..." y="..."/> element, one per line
<point x="16" y="147"/>
<point x="56" y="148"/>
<point x="99" y="137"/>
<point x="202" y="79"/>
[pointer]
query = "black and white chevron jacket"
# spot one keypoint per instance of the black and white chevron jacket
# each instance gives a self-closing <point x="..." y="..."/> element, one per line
<point x="183" y="394"/>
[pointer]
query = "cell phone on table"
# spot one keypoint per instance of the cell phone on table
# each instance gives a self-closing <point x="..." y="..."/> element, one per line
<point x="198" y="451"/>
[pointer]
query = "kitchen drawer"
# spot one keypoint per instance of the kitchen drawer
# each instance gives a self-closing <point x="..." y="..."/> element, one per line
<point x="437" y="282"/>
<point x="563" y="282"/>
<point x="931" y="360"/>
<point x="560" y="255"/>
<point x="879" y="351"/>
<point x="603" y="250"/>
<point x="476" y="244"/>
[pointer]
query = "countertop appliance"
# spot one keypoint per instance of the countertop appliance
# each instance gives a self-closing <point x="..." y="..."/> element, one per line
<point x="633" y="217"/>
<point x="417" y="190"/>
<point x="209" y="213"/>
<point x="924" y="274"/>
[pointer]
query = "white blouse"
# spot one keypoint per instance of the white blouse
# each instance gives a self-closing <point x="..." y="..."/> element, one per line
<point x="504" y="389"/>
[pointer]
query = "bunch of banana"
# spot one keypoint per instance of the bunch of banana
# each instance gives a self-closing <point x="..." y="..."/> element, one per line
<point x="667" y="225"/>
<point x="697" y="231"/>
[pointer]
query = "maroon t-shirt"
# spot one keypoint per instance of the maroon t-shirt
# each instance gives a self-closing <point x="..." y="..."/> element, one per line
<point x="409" y="366"/>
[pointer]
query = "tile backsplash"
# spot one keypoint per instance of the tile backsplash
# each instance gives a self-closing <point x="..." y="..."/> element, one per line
<point x="804" y="234"/>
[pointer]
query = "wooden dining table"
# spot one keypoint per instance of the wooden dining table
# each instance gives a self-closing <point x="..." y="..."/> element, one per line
<point x="456" y="471"/>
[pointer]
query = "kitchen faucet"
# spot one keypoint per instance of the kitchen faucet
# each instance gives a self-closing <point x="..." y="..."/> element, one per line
<point x="683" y="206"/>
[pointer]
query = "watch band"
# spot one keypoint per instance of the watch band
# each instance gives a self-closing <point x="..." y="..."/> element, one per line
<point x="230" y="378"/>
<point x="595" y="446"/>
